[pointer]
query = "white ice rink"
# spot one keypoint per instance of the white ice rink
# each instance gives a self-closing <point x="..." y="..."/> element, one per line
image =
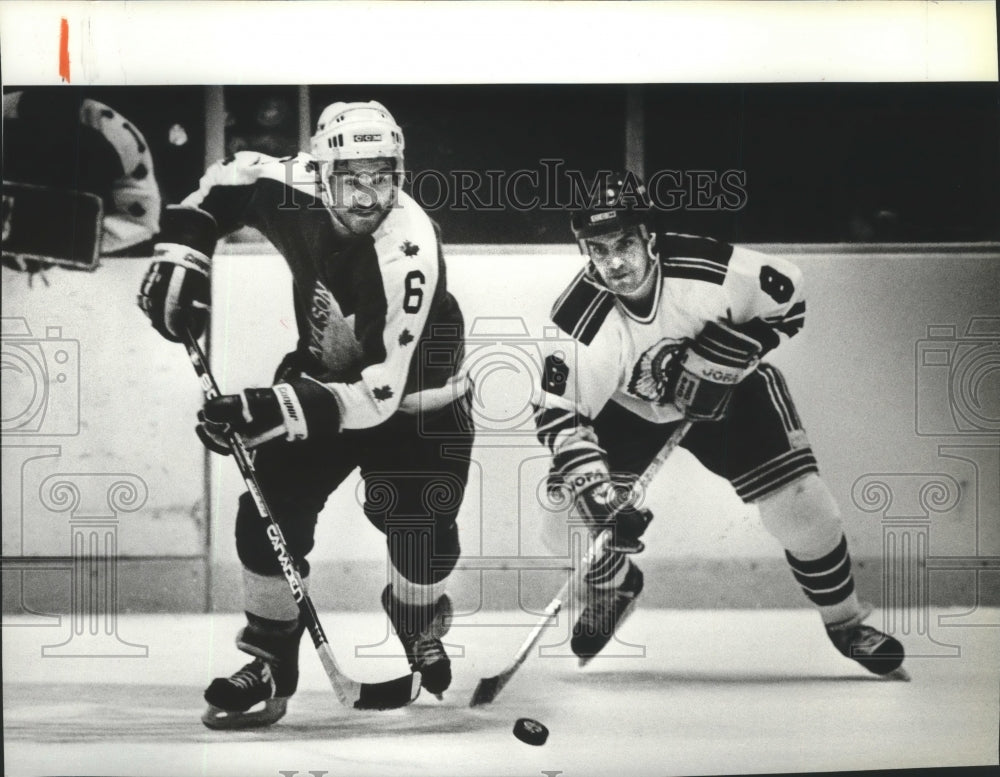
<point x="716" y="692"/>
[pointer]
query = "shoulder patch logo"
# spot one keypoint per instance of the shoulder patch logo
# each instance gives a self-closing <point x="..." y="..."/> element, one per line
<point x="382" y="393"/>
<point x="650" y="374"/>
<point x="405" y="337"/>
<point x="409" y="249"/>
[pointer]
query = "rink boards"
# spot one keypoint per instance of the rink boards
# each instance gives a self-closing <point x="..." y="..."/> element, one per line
<point x="894" y="377"/>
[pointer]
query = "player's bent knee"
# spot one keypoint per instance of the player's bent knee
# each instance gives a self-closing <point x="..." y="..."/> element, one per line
<point x="255" y="548"/>
<point x="424" y="555"/>
<point x="802" y="515"/>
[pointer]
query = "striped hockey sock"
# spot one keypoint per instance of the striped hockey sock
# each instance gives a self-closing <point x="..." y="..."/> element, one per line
<point x="607" y="572"/>
<point x="828" y="582"/>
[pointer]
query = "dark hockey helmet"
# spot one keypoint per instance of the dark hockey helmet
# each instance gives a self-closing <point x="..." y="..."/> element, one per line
<point x="620" y="203"/>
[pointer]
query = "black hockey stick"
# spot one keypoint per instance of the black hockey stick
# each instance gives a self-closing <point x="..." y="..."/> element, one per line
<point x="489" y="687"/>
<point x="351" y="693"/>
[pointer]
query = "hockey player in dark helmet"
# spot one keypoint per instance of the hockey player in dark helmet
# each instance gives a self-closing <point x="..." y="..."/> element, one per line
<point x="358" y="392"/>
<point x="671" y="327"/>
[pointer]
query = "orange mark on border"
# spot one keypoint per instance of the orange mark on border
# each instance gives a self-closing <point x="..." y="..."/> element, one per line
<point x="64" y="50"/>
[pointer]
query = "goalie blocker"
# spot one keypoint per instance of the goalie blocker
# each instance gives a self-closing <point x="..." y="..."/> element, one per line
<point x="47" y="226"/>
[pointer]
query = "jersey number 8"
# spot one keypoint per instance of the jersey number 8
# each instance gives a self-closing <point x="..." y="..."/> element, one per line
<point x="777" y="286"/>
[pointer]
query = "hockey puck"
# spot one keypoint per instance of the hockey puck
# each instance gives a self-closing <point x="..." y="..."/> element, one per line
<point x="530" y="731"/>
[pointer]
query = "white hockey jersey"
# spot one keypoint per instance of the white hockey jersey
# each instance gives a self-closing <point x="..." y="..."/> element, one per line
<point x="615" y="355"/>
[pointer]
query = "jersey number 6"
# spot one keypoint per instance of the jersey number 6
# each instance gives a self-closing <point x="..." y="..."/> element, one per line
<point x="414" y="291"/>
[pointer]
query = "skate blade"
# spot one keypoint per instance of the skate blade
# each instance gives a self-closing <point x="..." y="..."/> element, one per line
<point x="219" y="719"/>
<point x="899" y="674"/>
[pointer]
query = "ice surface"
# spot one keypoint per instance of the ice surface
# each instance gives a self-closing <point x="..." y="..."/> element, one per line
<point x="697" y="692"/>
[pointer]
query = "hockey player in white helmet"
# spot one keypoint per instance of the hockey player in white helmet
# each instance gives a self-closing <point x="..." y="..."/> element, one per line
<point x="672" y="327"/>
<point x="359" y="391"/>
<point x="363" y="150"/>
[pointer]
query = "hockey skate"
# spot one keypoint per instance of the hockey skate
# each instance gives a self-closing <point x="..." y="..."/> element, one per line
<point x="271" y="678"/>
<point x="604" y="612"/>
<point x="879" y="653"/>
<point x="420" y="629"/>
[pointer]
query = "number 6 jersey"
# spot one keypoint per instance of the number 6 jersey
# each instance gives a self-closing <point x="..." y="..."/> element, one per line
<point x="617" y="355"/>
<point x="376" y="322"/>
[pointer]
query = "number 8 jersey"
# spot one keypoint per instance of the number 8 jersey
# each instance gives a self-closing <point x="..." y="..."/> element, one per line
<point x="618" y="355"/>
<point x="376" y="322"/>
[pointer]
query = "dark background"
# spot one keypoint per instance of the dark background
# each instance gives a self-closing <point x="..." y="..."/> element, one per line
<point x="823" y="162"/>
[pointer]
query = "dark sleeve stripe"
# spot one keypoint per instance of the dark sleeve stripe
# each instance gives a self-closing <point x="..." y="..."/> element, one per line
<point x="549" y="423"/>
<point x="693" y="257"/>
<point x="581" y="310"/>
<point x="790" y="328"/>
<point x="694" y="269"/>
<point x="798" y="310"/>
<point x="791" y="322"/>
<point x="673" y="244"/>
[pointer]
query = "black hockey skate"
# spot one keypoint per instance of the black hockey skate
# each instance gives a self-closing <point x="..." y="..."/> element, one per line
<point x="879" y="653"/>
<point x="420" y="629"/>
<point x="604" y="612"/>
<point x="271" y="678"/>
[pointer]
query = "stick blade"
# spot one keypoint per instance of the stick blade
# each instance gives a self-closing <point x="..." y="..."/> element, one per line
<point x="487" y="690"/>
<point x="389" y="695"/>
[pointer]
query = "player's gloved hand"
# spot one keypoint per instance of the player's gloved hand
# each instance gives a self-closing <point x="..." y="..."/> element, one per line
<point x="608" y="506"/>
<point x="579" y="471"/>
<point x="175" y="291"/>
<point x="300" y="409"/>
<point x="710" y="367"/>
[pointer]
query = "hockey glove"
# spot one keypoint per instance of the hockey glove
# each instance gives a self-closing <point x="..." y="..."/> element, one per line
<point x="300" y="409"/>
<point x="710" y="367"/>
<point x="579" y="471"/>
<point x="175" y="292"/>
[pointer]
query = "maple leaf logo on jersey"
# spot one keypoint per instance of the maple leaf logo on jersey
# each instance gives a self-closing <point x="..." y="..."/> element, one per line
<point x="405" y="337"/>
<point x="382" y="393"/>
<point x="409" y="249"/>
<point x="649" y="375"/>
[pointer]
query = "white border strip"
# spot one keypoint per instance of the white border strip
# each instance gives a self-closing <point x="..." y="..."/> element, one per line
<point x="169" y="42"/>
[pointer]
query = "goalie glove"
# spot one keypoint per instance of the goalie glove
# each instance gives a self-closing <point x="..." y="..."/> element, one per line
<point x="710" y="367"/>
<point x="175" y="291"/>
<point x="580" y="472"/>
<point x="300" y="409"/>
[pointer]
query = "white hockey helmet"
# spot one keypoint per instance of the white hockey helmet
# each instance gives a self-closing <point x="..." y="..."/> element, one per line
<point x="357" y="131"/>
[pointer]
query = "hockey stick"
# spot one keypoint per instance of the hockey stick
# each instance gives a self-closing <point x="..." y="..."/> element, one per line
<point x="351" y="693"/>
<point x="489" y="687"/>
